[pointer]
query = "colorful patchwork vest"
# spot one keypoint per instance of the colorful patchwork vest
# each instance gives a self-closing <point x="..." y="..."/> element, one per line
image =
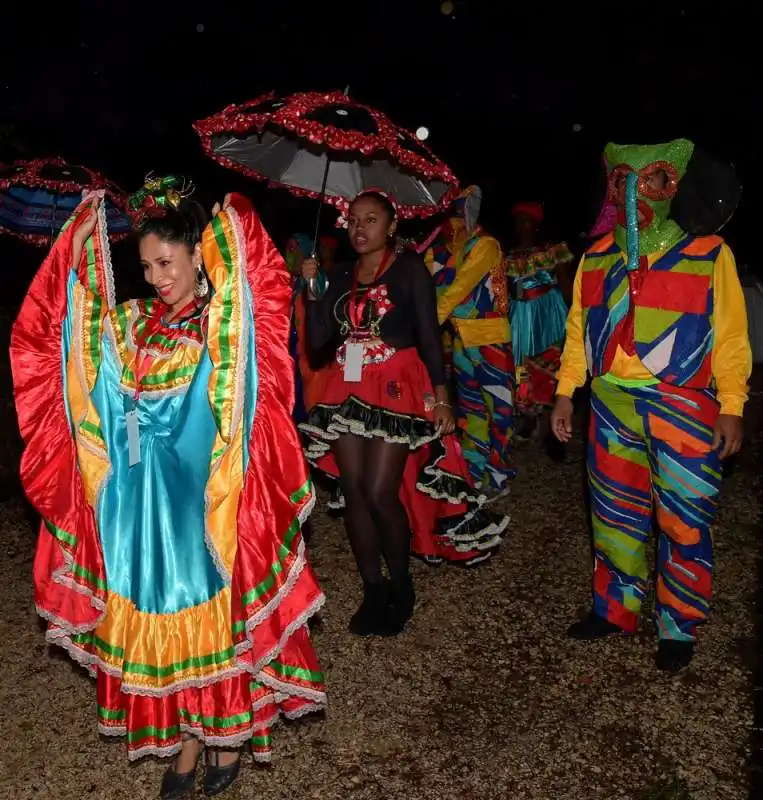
<point x="673" y="312"/>
<point x="488" y="299"/>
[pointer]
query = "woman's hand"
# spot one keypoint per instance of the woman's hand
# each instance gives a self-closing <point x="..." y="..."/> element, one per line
<point x="216" y="208"/>
<point x="87" y="226"/>
<point x="444" y="421"/>
<point x="309" y="268"/>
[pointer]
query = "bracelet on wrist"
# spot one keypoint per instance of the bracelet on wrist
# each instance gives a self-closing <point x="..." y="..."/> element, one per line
<point x="442" y="404"/>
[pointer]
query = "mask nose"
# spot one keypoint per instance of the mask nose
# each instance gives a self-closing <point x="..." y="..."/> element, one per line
<point x="631" y="220"/>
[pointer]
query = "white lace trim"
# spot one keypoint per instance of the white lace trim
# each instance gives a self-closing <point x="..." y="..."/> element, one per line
<point x="307" y="508"/>
<point x="108" y="269"/>
<point x="287" y="690"/>
<point x="227" y="742"/>
<point x="208" y="540"/>
<point x="275" y="601"/>
<point x="232" y="742"/>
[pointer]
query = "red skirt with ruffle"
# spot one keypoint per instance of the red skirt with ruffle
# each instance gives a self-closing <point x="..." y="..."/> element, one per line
<point x="393" y="401"/>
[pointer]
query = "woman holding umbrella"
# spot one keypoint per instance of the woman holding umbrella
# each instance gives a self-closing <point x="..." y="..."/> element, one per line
<point x="385" y="420"/>
<point x="170" y="561"/>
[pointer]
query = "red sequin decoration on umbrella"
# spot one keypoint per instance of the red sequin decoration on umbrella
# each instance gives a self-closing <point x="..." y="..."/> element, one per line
<point x="30" y="174"/>
<point x="291" y="114"/>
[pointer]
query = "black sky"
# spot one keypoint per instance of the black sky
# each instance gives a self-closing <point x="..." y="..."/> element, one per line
<point x="116" y="85"/>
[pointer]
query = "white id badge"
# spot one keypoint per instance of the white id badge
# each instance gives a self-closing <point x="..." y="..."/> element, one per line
<point x="353" y="362"/>
<point x="133" y="438"/>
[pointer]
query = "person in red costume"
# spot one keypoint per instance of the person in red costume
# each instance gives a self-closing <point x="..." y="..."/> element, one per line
<point x="170" y="561"/>
<point x="384" y="423"/>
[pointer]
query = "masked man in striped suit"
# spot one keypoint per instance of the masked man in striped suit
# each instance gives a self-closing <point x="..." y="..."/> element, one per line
<point x="658" y="321"/>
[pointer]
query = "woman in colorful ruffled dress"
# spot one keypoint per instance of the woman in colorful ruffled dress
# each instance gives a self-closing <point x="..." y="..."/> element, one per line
<point x="385" y="421"/>
<point x="538" y="314"/>
<point x="161" y="455"/>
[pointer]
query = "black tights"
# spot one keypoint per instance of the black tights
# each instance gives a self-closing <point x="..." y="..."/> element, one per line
<point x="370" y="473"/>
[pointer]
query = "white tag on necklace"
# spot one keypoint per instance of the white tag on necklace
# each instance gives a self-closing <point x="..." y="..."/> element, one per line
<point x="353" y="361"/>
<point x="133" y="438"/>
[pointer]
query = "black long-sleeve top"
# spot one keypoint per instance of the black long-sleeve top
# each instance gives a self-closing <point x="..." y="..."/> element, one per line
<point x="411" y="321"/>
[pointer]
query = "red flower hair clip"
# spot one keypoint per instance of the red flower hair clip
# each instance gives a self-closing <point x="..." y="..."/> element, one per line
<point x="344" y="205"/>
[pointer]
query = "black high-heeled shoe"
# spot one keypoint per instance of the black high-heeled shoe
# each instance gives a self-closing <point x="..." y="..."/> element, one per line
<point x="177" y="785"/>
<point x="216" y="778"/>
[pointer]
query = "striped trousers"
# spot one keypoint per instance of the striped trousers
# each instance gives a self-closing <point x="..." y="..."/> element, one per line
<point x="650" y="460"/>
<point x="484" y="382"/>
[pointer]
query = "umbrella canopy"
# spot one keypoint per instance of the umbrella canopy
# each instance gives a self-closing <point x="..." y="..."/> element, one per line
<point x="38" y="196"/>
<point x="328" y="147"/>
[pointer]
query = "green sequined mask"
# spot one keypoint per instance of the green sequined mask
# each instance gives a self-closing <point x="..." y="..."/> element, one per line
<point x="672" y="158"/>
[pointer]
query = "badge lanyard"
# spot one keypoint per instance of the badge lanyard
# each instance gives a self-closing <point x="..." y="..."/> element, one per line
<point x="354" y="351"/>
<point x="356" y="307"/>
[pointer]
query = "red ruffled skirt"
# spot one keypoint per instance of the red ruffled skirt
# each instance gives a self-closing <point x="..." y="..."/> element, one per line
<point x="393" y="401"/>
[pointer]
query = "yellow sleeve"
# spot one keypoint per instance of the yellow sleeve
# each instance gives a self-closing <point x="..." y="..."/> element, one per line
<point x="732" y="356"/>
<point x="481" y="260"/>
<point x="573" y="369"/>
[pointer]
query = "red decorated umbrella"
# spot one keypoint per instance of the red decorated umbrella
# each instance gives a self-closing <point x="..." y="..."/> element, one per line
<point x="38" y="196"/>
<point x="328" y="147"/>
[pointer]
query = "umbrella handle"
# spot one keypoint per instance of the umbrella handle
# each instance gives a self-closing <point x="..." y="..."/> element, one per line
<point x="318" y="287"/>
<point x="315" y="290"/>
<point x="324" y="182"/>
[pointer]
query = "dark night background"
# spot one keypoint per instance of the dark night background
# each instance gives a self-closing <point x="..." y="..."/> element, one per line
<point x="117" y="85"/>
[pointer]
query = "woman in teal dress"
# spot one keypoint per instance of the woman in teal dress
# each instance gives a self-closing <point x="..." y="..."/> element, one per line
<point x="161" y="455"/>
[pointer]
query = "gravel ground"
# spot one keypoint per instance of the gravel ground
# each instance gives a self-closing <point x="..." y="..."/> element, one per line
<point x="483" y="697"/>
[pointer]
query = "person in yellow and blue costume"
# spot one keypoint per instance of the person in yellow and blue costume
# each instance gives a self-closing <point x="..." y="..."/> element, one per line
<point x="472" y="302"/>
<point x="658" y="320"/>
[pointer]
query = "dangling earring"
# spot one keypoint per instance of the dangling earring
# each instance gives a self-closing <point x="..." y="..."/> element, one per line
<point x="394" y="242"/>
<point x="200" y="283"/>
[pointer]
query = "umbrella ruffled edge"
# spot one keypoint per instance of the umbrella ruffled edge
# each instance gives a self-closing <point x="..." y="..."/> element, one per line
<point x="234" y="121"/>
<point x="32" y="180"/>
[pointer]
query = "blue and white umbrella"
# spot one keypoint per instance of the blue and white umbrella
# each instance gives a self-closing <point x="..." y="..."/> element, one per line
<point x="37" y="197"/>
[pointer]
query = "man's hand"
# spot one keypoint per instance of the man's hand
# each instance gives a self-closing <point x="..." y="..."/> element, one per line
<point x="728" y="430"/>
<point x="561" y="419"/>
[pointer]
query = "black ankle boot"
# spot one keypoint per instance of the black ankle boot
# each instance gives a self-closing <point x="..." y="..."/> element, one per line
<point x="673" y="655"/>
<point x="593" y="627"/>
<point x="401" y="603"/>
<point x="371" y="617"/>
